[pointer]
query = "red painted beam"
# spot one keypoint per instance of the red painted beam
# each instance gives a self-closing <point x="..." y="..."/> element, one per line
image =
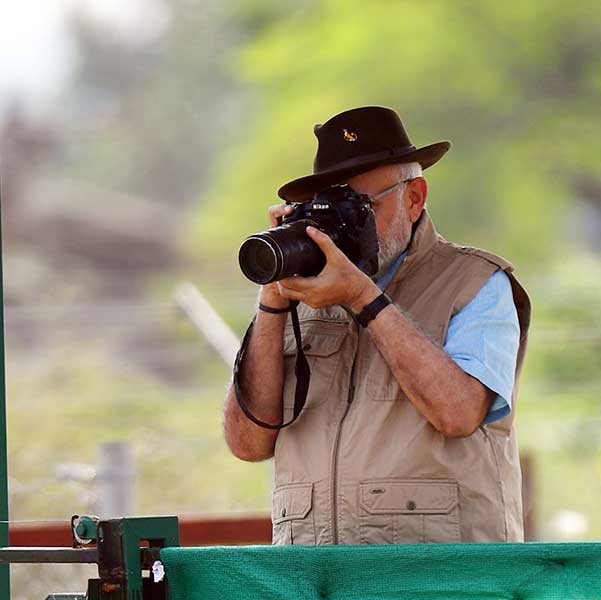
<point x="225" y="530"/>
<point x="40" y="534"/>
<point x="200" y="531"/>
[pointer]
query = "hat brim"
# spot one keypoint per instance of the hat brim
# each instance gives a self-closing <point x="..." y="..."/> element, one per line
<point x="304" y="188"/>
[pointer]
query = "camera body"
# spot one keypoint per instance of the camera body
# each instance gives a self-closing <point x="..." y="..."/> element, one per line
<point x="340" y="212"/>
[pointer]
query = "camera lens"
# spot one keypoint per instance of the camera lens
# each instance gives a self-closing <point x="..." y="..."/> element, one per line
<point x="281" y="252"/>
<point x="258" y="260"/>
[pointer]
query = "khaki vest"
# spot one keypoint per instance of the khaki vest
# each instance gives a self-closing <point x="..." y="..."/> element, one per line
<point x="374" y="471"/>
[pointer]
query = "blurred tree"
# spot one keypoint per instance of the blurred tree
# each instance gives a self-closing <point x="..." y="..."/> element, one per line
<point x="158" y="111"/>
<point x="94" y="195"/>
<point x="155" y="110"/>
<point x="515" y="87"/>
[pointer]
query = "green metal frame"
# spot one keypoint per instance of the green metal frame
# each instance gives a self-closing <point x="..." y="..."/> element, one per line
<point x="120" y="560"/>
<point x="125" y="551"/>
<point x="4" y="569"/>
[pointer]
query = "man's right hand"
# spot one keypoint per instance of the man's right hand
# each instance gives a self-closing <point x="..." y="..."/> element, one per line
<point x="270" y="295"/>
<point x="277" y="212"/>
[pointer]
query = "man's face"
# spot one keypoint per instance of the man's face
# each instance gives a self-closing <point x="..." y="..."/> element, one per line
<point x="393" y="215"/>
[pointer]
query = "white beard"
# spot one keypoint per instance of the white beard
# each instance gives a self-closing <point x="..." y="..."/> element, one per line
<point x="391" y="245"/>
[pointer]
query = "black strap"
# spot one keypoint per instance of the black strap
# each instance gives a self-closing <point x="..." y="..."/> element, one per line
<point x="274" y="311"/>
<point x="370" y="311"/>
<point x="301" y="370"/>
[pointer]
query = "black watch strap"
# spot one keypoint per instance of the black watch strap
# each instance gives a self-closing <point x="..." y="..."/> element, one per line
<point x="370" y="311"/>
<point x="274" y="311"/>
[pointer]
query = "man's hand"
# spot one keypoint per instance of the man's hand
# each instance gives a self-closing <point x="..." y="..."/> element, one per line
<point x="277" y="211"/>
<point x="340" y="281"/>
<point x="270" y="294"/>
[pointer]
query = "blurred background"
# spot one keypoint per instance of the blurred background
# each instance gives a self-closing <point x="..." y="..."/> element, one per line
<point x="140" y="141"/>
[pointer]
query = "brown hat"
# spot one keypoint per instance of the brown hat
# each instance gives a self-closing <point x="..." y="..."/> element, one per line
<point x="354" y="142"/>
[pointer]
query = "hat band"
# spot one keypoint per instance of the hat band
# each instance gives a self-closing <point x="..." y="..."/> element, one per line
<point x="368" y="158"/>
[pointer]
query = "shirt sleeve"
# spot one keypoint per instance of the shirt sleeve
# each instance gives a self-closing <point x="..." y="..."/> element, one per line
<point x="483" y="340"/>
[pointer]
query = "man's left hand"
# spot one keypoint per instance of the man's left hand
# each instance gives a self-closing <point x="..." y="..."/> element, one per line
<point x="340" y="281"/>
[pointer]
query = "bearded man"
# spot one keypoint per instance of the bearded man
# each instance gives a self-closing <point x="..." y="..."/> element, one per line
<point x="407" y="433"/>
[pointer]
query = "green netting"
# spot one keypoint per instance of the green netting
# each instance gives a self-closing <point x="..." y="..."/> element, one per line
<point x="416" y="572"/>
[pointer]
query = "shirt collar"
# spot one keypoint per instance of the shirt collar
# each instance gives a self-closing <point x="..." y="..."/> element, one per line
<point x="383" y="281"/>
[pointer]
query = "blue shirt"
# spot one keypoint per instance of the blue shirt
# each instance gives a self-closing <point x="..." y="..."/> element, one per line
<point x="483" y="338"/>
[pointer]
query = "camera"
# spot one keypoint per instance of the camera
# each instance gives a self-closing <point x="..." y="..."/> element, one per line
<point x="340" y="212"/>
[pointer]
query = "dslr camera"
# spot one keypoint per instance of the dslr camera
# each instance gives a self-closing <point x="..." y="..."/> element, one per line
<point x="340" y="212"/>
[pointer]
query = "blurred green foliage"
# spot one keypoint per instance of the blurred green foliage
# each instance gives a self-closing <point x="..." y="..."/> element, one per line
<point x="516" y="87"/>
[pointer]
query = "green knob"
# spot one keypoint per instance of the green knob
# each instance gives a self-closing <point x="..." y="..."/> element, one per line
<point x="85" y="528"/>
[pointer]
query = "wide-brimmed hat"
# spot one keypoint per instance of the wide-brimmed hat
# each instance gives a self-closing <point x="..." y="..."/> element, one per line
<point x="356" y="141"/>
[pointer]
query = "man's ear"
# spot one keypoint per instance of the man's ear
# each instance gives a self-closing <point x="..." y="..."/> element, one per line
<point x="417" y="192"/>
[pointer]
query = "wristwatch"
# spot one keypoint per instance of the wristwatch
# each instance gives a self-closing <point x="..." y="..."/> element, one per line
<point x="370" y="311"/>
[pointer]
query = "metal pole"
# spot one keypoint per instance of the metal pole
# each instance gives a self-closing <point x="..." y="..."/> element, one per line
<point x="115" y="480"/>
<point x="4" y="572"/>
<point x="208" y="322"/>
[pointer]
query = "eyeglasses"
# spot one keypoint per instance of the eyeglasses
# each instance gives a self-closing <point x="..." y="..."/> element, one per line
<point x="392" y="187"/>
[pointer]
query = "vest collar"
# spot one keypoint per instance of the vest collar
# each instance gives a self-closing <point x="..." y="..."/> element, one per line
<point x="423" y="240"/>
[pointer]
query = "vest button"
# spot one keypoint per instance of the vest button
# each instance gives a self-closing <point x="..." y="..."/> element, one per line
<point x="307" y="347"/>
<point x="411" y="505"/>
<point x="283" y="512"/>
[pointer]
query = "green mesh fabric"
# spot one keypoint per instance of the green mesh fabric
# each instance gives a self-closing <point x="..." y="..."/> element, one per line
<point x="412" y="572"/>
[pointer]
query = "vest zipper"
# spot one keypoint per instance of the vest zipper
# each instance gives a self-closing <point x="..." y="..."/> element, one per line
<point x="334" y="475"/>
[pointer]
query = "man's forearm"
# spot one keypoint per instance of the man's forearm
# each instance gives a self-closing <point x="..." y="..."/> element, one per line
<point x="453" y="401"/>
<point x="262" y="376"/>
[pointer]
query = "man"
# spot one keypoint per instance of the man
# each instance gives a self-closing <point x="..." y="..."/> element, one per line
<point x="407" y="434"/>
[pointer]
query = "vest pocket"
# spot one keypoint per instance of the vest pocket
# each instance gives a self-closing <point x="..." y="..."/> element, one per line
<point x="321" y="341"/>
<point x="409" y="511"/>
<point x="291" y="515"/>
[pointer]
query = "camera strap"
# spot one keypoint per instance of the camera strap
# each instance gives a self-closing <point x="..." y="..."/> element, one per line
<point x="301" y="370"/>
